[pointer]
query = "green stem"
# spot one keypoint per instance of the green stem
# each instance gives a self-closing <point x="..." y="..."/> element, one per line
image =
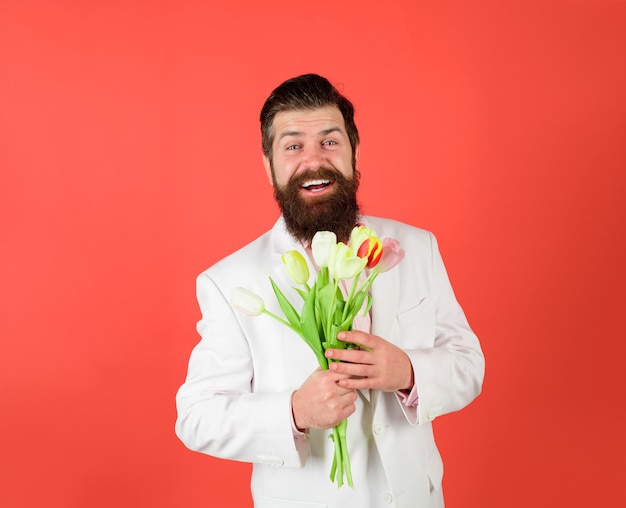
<point x="333" y="468"/>
<point x="355" y="282"/>
<point x="327" y="334"/>
<point x="281" y="320"/>
<point x="341" y="459"/>
<point x="338" y="456"/>
<point x="321" y="359"/>
<point x="345" y="456"/>
<point x="368" y="282"/>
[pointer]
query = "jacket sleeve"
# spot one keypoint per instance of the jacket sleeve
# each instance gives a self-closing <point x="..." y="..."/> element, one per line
<point x="448" y="375"/>
<point x="218" y="414"/>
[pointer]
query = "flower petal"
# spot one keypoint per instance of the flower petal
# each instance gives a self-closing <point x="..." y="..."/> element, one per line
<point x="296" y="266"/>
<point x="392" y="255"/>
<point x="247" y="302"/>
<point x="321" y="245"/>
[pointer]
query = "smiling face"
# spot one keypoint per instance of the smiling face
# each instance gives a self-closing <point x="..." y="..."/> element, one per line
<point x="312" y="172"/>
<point x="306" y="141"/>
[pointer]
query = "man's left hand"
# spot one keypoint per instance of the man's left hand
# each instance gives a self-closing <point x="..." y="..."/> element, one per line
<point x="378" y="365"/>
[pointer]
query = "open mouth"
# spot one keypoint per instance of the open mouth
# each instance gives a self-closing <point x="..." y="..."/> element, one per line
<point x="317" y="185"/>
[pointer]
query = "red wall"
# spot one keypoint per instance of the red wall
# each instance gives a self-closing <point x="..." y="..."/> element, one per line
<point x="130" y="161"/>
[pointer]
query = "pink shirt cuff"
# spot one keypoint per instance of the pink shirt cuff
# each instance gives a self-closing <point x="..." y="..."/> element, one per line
<point x="407" y="398"/>
<point x="297" y="433"/>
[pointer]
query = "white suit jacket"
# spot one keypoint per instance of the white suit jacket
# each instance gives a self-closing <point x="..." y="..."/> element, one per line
<point x="235" y="402"/>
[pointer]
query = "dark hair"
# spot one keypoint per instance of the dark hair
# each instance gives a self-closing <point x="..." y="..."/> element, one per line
<point x="302" y="93"/>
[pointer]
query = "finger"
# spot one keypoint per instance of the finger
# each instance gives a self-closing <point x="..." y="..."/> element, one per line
<point x="334" y="376"/>
<point x="350" y="369"/>
<point x="363" y="339"/>
<point x="358" y="383"/>
<point x="349" y="398"/>
<point x="332" y="384"/>
<point x="349" y="355"/>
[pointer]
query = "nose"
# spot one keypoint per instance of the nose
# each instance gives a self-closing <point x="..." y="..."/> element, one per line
<point x="312" y="157"/>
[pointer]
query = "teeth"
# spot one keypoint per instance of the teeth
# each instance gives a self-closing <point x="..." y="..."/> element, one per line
<point x="316" y="182"/>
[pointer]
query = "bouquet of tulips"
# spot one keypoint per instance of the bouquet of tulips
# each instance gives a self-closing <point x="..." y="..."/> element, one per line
<point x="325" y="310"/>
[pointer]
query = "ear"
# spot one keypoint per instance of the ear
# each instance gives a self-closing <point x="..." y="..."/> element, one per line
<point x="268" y="169"/>
<point x="356" y="157"/>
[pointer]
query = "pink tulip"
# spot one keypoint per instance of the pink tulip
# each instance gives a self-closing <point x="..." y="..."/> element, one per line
<point x="391" y="256"/>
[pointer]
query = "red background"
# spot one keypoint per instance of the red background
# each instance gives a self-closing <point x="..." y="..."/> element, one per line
<point x="130" y="161"/>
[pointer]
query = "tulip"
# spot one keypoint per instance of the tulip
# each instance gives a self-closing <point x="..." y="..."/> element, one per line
<point x="366" y="244"/>
<point x="371" y="249"/>
<point x="359" y="234"/>
<point x="247" y="302"/>
<point x="391" y="256"/>
<point x="296" y="266"/>
<point x="343" y="264"/>
<point x="321" y="245"/>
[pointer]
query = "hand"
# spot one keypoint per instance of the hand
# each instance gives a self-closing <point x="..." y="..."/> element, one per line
<point x="320" y="403"/>
<point x="379" y="365"/>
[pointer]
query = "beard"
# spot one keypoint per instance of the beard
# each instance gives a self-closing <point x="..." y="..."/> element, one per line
<point x="336" y="211"/>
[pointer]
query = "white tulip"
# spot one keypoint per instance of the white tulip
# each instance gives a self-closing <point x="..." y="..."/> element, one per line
<point x="322" y="245"/>
<point x="247" y="302"/>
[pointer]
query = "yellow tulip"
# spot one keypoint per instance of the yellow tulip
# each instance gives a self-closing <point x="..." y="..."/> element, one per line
<point x="343" y="263"/>
<point x="296" y="266"/>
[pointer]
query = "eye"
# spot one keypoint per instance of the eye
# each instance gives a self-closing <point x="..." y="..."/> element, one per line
<point x="293" y="147"/>
<point x="329" y="142"/>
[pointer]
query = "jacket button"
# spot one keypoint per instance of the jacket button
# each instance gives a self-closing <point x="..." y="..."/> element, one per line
<point x="379" y="429"/>
<point x="387" y="498"/>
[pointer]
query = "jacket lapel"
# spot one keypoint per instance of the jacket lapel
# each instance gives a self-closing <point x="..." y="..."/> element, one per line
<point x="385" y="303"/>
<point x="281" y="242"/>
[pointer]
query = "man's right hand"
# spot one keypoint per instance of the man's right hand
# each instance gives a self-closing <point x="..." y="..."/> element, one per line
<point x="320" y="403"/>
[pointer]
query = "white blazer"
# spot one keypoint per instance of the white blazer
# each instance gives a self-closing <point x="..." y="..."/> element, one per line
<point x="235" y="402"/>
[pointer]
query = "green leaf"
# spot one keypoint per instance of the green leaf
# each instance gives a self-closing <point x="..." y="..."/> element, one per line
<point x="332" y="339"/>
<point x="310" y="330"/>
<point x="325" y="296"/>
<point x="322" y="277"/>
<point x="303" y="293"/>
<point x="288" y="310"/>
<point x="354" y="307"/>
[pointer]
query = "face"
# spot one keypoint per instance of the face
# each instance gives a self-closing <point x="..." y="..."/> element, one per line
<point x="306" y="141"/>
<point x="312" y="172"/>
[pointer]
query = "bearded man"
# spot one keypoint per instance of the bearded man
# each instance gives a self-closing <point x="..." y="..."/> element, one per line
<point x="253" y="390"/>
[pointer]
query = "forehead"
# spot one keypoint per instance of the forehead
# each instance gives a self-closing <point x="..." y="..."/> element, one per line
<point x="308" y="121"/>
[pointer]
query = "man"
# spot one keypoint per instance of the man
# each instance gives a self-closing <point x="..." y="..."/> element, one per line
<point x="253" y="392"/>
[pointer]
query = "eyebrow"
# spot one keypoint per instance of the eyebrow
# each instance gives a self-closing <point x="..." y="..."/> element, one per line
<point x="325" y="132"/>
